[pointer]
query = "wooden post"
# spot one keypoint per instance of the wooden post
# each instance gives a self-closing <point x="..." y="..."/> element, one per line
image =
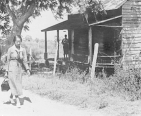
<point x="58" y="43"/>
<point x="55" y="60"/>
<point x="94" y="61"/>
<point x="90" y="45"/>
<point x="69" y="39"/>
<point x="72" y="44"/>
<point x="45" y="54"/>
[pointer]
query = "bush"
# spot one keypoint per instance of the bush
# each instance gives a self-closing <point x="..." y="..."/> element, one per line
<point x="37" y="50"/>
<point x="75" y="74"/>
<point x="36" y="53"/>
<point x="127" y="81"/>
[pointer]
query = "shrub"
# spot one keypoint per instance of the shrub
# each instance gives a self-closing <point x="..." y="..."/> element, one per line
<point x="127" y="81"/>
<point x="75" y="74"/>
<point x="36" y="53"/>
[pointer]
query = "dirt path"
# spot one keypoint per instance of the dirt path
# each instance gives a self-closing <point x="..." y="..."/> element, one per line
<point x="34" y="105"/>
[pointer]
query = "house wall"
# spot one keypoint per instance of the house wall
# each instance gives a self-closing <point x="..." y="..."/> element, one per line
<point x="109" y="43"/>
<point x="131" y="33"/>
<point x="97" y="33"/>
<point x="80" y="43"/>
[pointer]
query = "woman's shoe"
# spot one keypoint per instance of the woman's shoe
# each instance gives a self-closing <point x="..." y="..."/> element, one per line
<point x="12" y="101"/>
<point x="18" y="104"/>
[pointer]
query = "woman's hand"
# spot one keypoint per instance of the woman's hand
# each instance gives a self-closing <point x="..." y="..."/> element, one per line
<point x="28" y="72"/>
<point x="6" y="74"/>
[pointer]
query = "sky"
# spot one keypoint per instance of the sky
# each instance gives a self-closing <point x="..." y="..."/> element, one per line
<point x="45" y="20"/>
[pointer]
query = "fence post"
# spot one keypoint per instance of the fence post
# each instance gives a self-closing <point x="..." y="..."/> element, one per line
<point x="55" y="60"/>
<point x="94" y="61"/>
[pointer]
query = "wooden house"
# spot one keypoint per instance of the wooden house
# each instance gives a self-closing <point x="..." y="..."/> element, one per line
<point x="118" y="33"/>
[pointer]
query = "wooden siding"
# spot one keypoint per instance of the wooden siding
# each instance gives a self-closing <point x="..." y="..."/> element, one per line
<point x="131" y="33"/>
<point x="80" y="42"/>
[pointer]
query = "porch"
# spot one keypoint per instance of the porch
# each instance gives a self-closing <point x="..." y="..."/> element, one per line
<point x="82" y="37"/>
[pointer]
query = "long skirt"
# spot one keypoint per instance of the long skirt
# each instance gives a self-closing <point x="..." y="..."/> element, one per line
<point x="15" y="78"/>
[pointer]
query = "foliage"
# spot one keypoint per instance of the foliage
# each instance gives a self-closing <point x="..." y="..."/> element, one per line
<point x="75" y="74"/>
<point x="36" y="53"/>
<point x="95" y="5"/>
<point x="4" y="24"/>
<point x="21" y="10"/>
<point x="124" y="82"/>
<point x="28" y="38"/>
<point x="127" y="81"/>
<point x="36" y="48"/>
<point x="63" y="89"/>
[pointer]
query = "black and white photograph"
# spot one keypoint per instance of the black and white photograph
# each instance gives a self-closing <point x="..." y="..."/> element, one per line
<point x="70" y="57"/>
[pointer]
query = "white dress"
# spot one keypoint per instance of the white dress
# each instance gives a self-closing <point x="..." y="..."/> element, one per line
<point x="15" y="68"/>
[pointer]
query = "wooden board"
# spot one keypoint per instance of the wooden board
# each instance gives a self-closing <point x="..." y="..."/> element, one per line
<point x="131" y="34"/>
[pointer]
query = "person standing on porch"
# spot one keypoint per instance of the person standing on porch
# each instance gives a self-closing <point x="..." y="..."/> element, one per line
<point x="65" y="46"/>
<point x="16" y="62"/>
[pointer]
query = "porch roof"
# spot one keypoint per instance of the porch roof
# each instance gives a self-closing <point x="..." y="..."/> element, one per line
<point x="76" y="24"/>
<point x="68" y="24"/>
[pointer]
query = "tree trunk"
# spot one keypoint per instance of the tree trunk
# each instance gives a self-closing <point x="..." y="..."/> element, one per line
<point x="16" y="30"/>
<point x="18" y="23"/>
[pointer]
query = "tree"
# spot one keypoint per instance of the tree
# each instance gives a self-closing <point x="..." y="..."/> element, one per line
<point x="37" y="40"/>
<point x="20" y="11"/>
<point x="28" y="38"/>
<point x="4" y="24"/>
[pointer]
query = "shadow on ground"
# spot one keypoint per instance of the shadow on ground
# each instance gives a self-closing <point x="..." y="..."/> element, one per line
<point x="22" y="100"/>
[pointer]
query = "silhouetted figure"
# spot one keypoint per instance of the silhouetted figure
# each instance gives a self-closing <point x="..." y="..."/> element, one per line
<point x="65" y="46"/>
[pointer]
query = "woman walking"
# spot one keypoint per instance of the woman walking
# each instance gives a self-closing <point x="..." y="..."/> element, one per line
<point x="17" y="60"/>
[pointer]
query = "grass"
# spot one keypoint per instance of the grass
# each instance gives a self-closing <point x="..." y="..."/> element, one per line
<point x="102" y="94"/>
<point x="65" y="90"/>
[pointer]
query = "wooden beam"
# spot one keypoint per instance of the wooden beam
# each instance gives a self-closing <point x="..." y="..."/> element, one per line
<point x="58" y="43"/>
<point x="69" y="39"/>
<point x="90" y="45"/>
<point x="105" y="20"/>
<point x="112" y="26"/>
<point x="94" y="61"/>
<point x="72" y="44"/>
<point x="45" y="54"/>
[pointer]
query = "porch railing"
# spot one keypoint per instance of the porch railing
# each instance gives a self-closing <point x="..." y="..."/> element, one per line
<point x="107" y="61"/>
<point x="102" y="61"/>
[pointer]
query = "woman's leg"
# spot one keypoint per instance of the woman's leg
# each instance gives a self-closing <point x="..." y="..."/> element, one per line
<point x="11" y="99"/>
<point x="18" y="104"/>
<point x="11" y="96"/>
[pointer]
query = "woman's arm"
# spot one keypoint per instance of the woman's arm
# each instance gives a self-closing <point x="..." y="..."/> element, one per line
<point x="8" y="59"/>
<point x="25" y="59"/>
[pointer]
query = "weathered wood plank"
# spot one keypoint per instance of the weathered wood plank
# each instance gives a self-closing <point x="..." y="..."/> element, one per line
<point x="130" y="16"/>
<point x="90" y="45"/>
<point x="138" y="39"/>
<point x="133" y="51"/>
<point x="127" y="47"/>
<point x="131" y="36"/>
<point x="72" y="44"/>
